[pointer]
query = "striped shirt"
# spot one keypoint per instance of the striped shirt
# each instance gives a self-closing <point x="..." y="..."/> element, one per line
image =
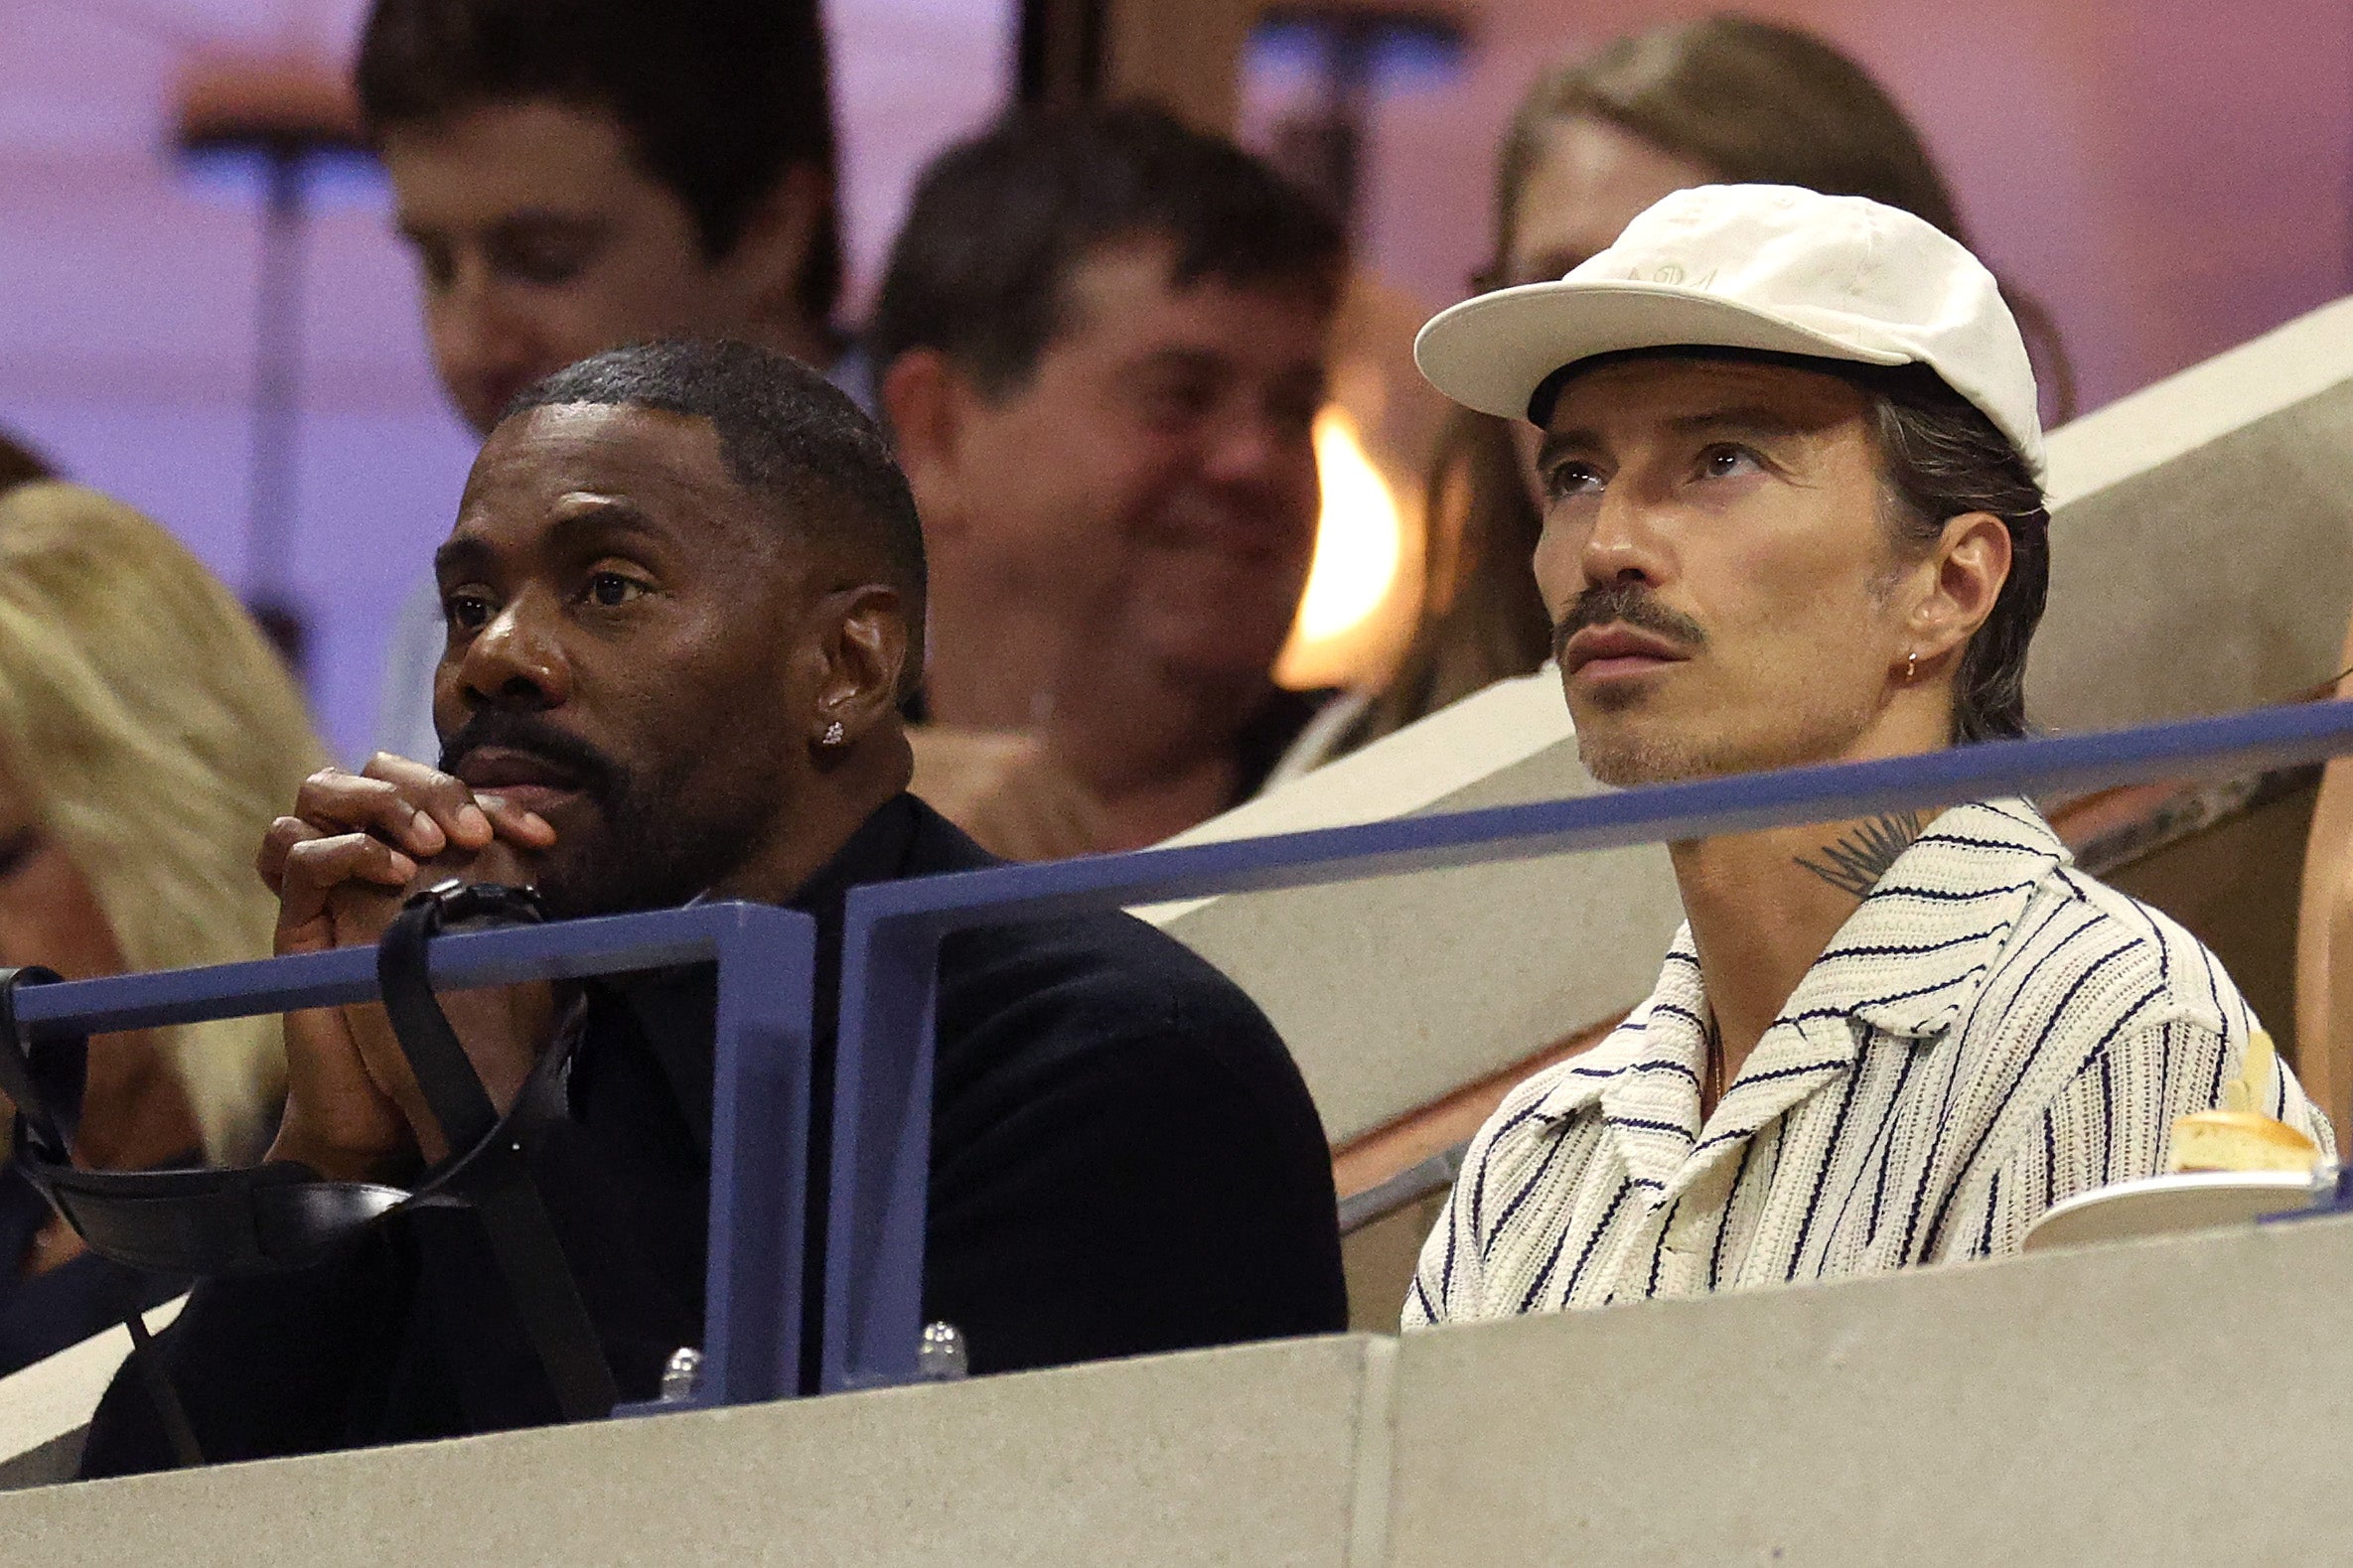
<point x="1991" y="1032"/>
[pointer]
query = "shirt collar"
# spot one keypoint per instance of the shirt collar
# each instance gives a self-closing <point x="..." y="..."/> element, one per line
<point x="1912" y="957"/>
<point x="1908" y="961"/>
<point x="1659" y="1032"/>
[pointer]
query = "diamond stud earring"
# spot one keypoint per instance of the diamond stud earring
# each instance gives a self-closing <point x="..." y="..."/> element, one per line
<point x="834" y="734"/>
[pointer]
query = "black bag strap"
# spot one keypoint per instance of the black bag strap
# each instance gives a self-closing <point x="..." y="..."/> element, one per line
<point x="444" y="1073"/>
<point x="499" y="1186"/>
<point x="280" y="1215"/>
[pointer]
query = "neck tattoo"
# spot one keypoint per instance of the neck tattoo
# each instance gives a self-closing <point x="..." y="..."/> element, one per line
<point x="1856" y="860"/>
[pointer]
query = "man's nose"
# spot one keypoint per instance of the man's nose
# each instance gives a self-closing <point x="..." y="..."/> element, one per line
<point x="516" y="660"/>
<point x="1259" y="449"/>
<point x="1623" y="546"/>
<point x="475" y="332"/>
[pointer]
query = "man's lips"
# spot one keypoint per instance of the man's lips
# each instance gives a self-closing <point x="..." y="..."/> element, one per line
<point x="527" y="780"/>
<point x="1606" y="650"/>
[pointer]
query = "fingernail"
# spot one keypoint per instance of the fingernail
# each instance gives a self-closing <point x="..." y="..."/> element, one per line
<point x="471" y="819"/>
<point x="426" y="832"/>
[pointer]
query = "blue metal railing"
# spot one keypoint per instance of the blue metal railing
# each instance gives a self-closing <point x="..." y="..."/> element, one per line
<point x="759" y="1114"/>
<point x="891" y="939"/>
<point x="881" y="1110"/>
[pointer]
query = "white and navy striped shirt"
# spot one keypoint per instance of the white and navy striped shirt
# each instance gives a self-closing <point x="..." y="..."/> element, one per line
<point x="1991" y="1032"/>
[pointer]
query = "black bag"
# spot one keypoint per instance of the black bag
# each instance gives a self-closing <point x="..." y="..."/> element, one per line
<point x="281" y="1215"/>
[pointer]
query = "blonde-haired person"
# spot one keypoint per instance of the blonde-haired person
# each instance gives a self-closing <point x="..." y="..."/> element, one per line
<point x="148" y="737"/>
<point x="1721" y="99"/>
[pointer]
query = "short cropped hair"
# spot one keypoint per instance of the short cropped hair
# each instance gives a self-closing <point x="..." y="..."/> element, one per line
<point x="786" y="434"/>
<point x="718" y="97"/>
<point x="998" y="222"/>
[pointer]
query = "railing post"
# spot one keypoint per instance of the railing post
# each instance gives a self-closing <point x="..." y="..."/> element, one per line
<point x="880" y="1160"/>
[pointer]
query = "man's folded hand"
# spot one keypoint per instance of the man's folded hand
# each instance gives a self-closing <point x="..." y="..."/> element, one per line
<point x="353" y="850"/>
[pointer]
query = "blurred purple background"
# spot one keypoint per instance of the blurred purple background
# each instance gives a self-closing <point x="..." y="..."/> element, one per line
<point x="2170" y="178"/>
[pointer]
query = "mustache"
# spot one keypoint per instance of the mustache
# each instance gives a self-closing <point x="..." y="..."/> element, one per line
<point x="599" y="776"/>
<point x="1625" y="604"/>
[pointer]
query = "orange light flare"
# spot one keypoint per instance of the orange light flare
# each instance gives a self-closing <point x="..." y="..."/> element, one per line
<point x="1365" y="586"/>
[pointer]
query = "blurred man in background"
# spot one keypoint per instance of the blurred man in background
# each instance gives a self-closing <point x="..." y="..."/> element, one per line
<point x="573" y="175"/>
<point x="1101" y="346"/>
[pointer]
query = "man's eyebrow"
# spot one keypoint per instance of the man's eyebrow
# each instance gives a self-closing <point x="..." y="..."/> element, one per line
<point x="594" y="519"/>
<point x="582" y="524"/>
<point x="462" y="556"/>
<point x="1757" y="422"/>
<point x="1749" y="420"/>
<point x="520" y="221"/>
<point x="526" y="218"/>
<point x="1558" y="444"/>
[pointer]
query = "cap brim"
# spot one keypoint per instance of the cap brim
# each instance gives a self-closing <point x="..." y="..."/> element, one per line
<point x="1493" y="351"/>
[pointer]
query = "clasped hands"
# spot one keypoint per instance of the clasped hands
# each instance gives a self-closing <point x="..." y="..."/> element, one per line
<point x="356" y="847"/>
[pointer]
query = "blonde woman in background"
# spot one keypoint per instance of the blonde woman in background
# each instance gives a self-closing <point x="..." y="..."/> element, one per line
<point x="1596" y="141"/>
<point x="148" y="737"/>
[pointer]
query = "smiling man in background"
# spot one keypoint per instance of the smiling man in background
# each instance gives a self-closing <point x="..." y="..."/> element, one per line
<point x="575" y="175"/>
<point x="1793" y="515"/>
<point x="1101" y="343"/>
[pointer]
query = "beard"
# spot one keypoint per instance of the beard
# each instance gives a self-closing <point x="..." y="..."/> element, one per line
<point x="1621" y="754"/>
<point x="1624" y="747"/>
<point x="652" y="841"/>
<point x="1627" y="760"/>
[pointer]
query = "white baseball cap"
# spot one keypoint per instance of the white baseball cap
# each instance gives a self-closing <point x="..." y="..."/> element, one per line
<point x="1751" y="266"/>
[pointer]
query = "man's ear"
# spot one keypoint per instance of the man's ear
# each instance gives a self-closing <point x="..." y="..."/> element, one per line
<point x="864" y="642"/>
<point x="774" y="250"/>
<point x="923" y="396"/>
<point x="1964" y="576"/>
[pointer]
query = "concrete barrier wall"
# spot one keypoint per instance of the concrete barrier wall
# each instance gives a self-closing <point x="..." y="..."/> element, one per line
<point x="2187" y="1400"/>
<point x="1242" y="1456"/>
<point x="2202" y="537"/>
<point x="2174" y="1402"/>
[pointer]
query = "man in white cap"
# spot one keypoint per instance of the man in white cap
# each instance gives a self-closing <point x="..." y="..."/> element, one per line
<point x="1794" y="515"/>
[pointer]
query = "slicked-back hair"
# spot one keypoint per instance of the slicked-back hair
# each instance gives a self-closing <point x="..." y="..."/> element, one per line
<point x="718" y="99"/>
<point x="787" y="436"/>
<point x="1940" y="458"/>
<point x="997" y="223"/>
